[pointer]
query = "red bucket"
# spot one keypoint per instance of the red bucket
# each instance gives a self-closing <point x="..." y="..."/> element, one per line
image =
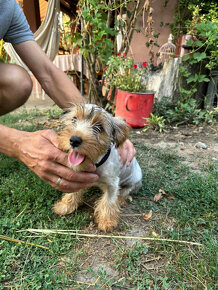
<point x="134" y="107"/>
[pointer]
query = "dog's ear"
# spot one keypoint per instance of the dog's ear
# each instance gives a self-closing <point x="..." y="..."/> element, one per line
<point x="120" y="131"/>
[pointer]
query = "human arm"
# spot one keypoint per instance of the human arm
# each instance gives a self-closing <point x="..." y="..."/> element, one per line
<point x="55" y="82"/>
<point x="39" y="151"/>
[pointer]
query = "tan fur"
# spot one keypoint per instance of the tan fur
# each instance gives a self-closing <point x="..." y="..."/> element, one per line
<point x="86" y="123"/>
<point x="107" y="215"/>
<point x="69" y="203"/>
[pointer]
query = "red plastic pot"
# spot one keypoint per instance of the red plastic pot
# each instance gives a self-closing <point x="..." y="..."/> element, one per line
<point x="134" y="107"/>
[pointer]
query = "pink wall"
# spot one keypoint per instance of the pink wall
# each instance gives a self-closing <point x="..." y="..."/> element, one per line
<point x="138" y="49"/>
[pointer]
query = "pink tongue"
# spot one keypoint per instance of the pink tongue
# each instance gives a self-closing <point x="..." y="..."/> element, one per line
<point x="75" y="158"/>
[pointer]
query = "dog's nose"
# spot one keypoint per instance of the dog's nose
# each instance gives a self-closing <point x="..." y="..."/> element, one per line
<point x="75" y="141"/>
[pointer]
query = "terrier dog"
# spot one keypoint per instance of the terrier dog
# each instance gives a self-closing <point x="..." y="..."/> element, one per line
<point x="92" y="135"/>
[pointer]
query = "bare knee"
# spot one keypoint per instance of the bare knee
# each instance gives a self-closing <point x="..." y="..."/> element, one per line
<point x="15" y="87"/>
<point x="16" y="79"/>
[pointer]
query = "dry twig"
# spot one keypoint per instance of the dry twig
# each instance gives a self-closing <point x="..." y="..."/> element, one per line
<point x="21" y="242"/>
<point x="75" y="233"/>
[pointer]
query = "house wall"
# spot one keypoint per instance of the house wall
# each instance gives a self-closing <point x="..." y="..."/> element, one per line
<point x="161" y="14"/>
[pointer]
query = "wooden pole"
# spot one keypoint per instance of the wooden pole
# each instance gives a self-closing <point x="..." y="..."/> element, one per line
<point x="32" y="13"/>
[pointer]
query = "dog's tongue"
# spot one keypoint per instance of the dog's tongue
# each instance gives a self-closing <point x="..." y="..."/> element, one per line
<point x="75" y="158"/>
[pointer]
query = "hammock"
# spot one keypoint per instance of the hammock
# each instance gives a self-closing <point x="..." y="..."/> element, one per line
<point x="47" y="36"/>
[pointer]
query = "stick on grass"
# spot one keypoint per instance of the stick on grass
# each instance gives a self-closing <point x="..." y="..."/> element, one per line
<point x="21" y="242"/>
<point x="74" y="233"/>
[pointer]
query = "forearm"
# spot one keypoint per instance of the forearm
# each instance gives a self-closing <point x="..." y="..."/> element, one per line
<point x="64" y="92"/>
<point x="9" y="138"/>
<point x="54" y="81"/>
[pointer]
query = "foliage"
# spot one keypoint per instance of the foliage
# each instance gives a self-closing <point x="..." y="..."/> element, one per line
<point x="203" y="59"/>
<point x="205" y="42"/>
<point x="183" y="15"/>
<point x="161" y="107"/>
<point x="3" y="53"/>
<point x="189" y="113"/>
<point x="156" y="123"/>
<point x="122" y="73"/>
<point x="96" y="27"/>
<point x="203" y="54"/>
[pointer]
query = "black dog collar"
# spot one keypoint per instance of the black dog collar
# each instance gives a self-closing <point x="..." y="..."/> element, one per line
<point x="105" y="157"/>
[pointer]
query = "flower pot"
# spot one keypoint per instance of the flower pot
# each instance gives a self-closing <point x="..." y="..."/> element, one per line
<point x="134" y="107"/>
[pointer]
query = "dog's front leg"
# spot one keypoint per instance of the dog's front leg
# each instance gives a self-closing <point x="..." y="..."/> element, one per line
<point x="69" y="203"/>
<point x="107" y="211"/>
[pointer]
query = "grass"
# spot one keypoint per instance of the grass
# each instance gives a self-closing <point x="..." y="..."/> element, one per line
<point x="26" y="202"/>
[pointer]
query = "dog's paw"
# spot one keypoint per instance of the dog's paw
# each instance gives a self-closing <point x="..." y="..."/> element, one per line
<point x="107" y="225"/>
<point x="62" y="208"/>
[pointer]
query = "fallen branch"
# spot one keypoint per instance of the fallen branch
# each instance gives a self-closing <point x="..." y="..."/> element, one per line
<point x="74" y="233"/>
<point x="21" y="242"/>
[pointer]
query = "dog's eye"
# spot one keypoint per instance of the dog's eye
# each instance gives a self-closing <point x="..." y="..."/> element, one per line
<point x="74" y="119"/>
<point x="98" y="128"/>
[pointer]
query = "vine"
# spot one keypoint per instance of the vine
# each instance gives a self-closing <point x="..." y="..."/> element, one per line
<point x="197" y="68"/>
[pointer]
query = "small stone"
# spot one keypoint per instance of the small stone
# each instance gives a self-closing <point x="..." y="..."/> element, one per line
<point x="201" y="145"/>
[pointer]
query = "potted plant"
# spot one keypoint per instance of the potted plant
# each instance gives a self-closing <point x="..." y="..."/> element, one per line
<point x="133" y="101"/>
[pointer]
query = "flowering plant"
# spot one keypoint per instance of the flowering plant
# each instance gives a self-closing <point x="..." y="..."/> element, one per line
<point x="122" y="73"/>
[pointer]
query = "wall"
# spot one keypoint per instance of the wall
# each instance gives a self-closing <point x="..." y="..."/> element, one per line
<point x="138" y="49"/>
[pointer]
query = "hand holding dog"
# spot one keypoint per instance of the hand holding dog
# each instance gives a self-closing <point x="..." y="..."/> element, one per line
<point x="39" y="151"/>
<point x="126" y="152"/>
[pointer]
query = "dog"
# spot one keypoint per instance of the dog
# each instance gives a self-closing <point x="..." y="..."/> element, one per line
<point x="92" y="135"/>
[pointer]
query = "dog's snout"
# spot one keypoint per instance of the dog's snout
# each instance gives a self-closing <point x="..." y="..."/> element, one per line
<point x="75" y="141"/>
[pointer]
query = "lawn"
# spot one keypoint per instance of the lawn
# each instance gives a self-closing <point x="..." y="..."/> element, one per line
<point x="71" y="262"/>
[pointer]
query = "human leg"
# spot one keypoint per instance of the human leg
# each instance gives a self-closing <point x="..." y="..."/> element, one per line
<point x="15" y="87"/>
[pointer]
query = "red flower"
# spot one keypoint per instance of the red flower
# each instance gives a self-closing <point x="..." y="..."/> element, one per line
<point x="119" y="54"/>
<point x="135" y="66"/>
<point x="123" y="54"/>
<point x="105" y="68"/>
<point x="144" y="64"/>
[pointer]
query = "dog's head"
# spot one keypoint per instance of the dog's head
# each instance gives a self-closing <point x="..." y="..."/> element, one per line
<point x="88" y="132"/>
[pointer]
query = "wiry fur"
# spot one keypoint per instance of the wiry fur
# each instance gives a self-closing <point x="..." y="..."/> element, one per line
<point x="98" y="130"/>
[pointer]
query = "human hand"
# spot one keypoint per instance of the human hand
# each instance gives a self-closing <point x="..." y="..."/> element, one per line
<point x="126" y="152"/>
<point x="39" y="151"/>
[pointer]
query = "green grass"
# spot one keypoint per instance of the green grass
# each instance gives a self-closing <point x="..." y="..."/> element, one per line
<point x="191" y="217"/>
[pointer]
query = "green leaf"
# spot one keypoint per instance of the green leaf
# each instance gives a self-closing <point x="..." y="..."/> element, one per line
<point x="190" y="42"/>
<point x="199" y="43"/>
<point x="186" y="57"/>
<point x="191" y="79"/>
<point x="203" y="78"/>
<point x="199" y="56"/>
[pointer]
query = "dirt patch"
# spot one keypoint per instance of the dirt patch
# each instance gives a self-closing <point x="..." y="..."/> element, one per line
<point x="199" y="145"/>
<point x="100" y="254"/>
